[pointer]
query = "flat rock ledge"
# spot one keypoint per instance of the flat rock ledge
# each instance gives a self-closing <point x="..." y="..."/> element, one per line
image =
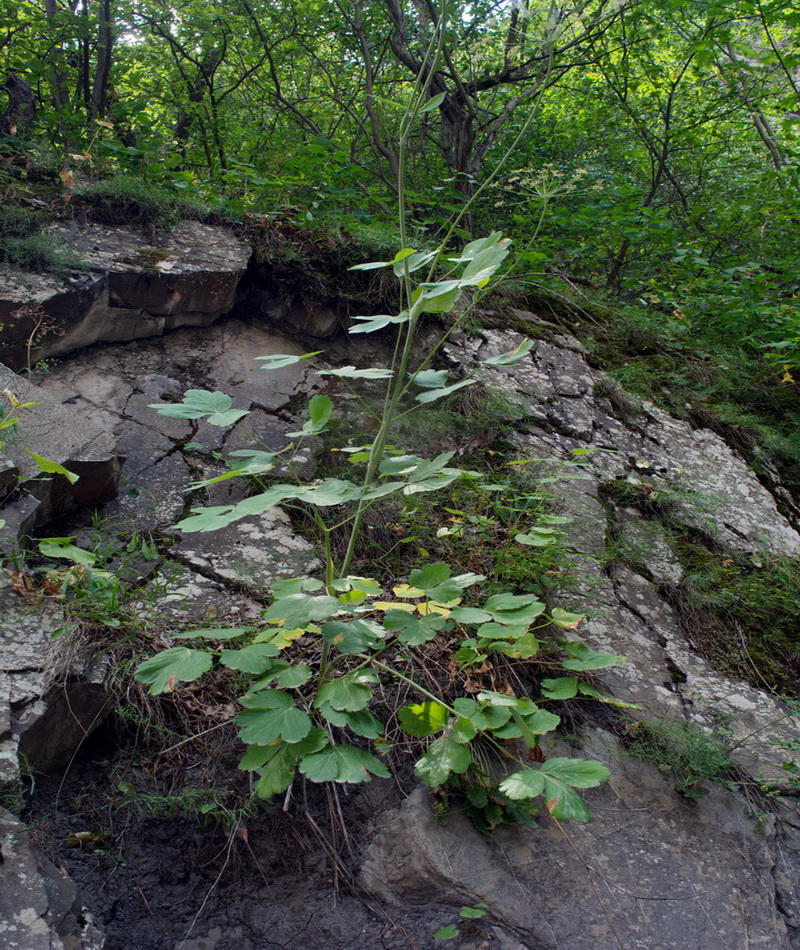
<point x="59" y="433"/>
<point x="129" y="290"/>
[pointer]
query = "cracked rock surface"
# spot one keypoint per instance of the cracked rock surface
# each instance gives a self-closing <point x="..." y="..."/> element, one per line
<point x="655" y="870"/>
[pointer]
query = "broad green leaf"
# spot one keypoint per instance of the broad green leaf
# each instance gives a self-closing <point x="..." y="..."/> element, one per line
<point x="565" y="687"/>
<point x="370" y="324"/>
<point x="602" y="696"/>
<point x="536" y="539"/>
<point x="413" y="630"/>
<point x="485" y="263"/>
<point x="528" y="726"/>
<point x="381" y="490"/>
<point x="353" y="636"/>
<point x="514" y="356"/>
<point x="256" y="463"/>
<point x="450" y="932"/>
<point x="170" y="667"/>
<point x="207" y="519"/>
<point x="432" y="300"/>
<point x="271" y="715"/>
<point x="520" y="648"/>
<point x="349" y="692"/>
<point x="220" y="516"/>
<point x="429" y="576"/>
<point x="330" y="491"/>
<point x="223" y="419"/>
<point x="464" y="729"/>
<point x="484" y="717"/>
<point x="514" y="608"/>
<point x="468" y="580"/>
<point x="350" y="372"/>
<point x="584" y="658"/>
<point x="342" y="763"/>
<point x="564" y="804"/>
<point x="372" y="265"/>
<point x="430" y="378"/>
<point x="365" y="585"/>
<point x="256" y="658"/>
<point x="432" y="483"/>
<point x="336" y="717"/>
<point x="471" y="251"/>
<point x="295" y="585"/>
<point x="413" y="262"/>
<point x="500" y="631"/>
<point x="445" y="755"/>
<point x="469" y="615"/>
<point x="197" y="403"/>
<point x="49" y="467"/>
<point x="423" y="719"/>
<point x="298" y="610"/>
<point x="61" y="547"/>
<point x="400" y="464"/>
<point x="433" y="103"/>
<point x="361" y="722"/>
<point x="294" y="676"/>
<point x="473" y="913"/>
<point x="278" y="361"/>
<point x="433" y="394"/>
<point x="277" y="763"/>
<point x="430" y="467"/>
<point x="491" y="698"/>
<point x="578" y="773"/>
<point x="525" y="784"/>
<point x="319" y="412"/>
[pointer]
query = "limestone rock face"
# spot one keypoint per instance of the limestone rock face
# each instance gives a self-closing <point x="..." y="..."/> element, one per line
<point x="130" y="290"/>
<point x="39" y="909"/>
<point x="650" y="871"/>
<point x="58" y="433"/>
<point x="50" y="702"/>
<point x="654" y="870"/>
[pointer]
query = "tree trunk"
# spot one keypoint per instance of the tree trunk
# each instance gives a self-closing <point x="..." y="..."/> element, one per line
<point x="105" y="42"/>
<point x="21" y="109"/>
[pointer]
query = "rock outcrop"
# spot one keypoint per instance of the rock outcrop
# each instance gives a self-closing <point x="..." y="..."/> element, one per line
<point x="655" y="868"/>
<point x="130" y="289"/>
<point x="56" y="432"/>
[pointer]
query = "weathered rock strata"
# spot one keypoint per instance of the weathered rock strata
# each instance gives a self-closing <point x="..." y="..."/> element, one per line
<point x="130" y="289"/>
<point x="653" y="870"/>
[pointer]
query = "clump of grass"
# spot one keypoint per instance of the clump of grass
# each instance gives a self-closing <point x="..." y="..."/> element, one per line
<point x="18" y="222"/>
<point x="693" y="755"/>
<point x="127" y="200"/>
<point x="742" y="614"/>
<point x="39" y="252"/>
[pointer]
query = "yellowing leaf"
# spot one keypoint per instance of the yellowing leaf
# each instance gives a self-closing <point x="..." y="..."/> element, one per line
<point x="388" y="605"/>
<point x="282" y="638"/>
<point x="405" y="590"/>
<point x="433" y="608"/>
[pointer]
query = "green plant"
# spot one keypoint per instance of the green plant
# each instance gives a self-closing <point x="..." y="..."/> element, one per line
<point x="741" y="612"/>
<point x="127" y="200"/>
<point x="691" y="753"/>
<point x="97" y="588"/>
<point x="326" y="645"/>
<point x="451" y="931"/>
<point x="39" y="252"/>
<point x="211" y="807"/>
